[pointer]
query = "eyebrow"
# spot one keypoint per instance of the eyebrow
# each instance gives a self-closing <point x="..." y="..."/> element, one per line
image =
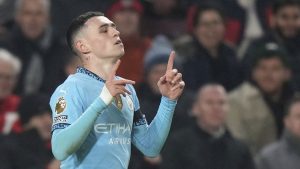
<point x="107" y="25"/>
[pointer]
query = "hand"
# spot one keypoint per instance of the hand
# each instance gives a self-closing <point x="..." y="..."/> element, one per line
<point x="171" y="84"/>
<point x="153" y="160"/>
<point x="116" y="87"/>
<point x="54" y="164"/>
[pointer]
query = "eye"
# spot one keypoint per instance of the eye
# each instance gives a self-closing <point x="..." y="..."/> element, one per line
<point x="103" y="30"/>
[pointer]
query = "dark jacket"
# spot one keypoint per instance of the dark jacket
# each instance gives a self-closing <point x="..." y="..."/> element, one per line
<point x="24" y="151"/>
<point x="193" y="148"/>
<point x="49" y="49"/>
<point x="200" y="67"/>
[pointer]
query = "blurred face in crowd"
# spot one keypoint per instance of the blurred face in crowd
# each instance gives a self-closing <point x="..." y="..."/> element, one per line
<point x="128" y="22"/>
<point x="8" y="79"/>
<point x="210" y="29"/>
<point x="287" y="21"/>
<point x="32" y="17"/>
<point x="292" y="120"/>
<point x="42" y="123"/>
<point x="211" y="107"/>
<point x="99" y="37"/>
<point x="154" y="74"/>
<point x="270" y="75"/>
<point x="164" y="7"/>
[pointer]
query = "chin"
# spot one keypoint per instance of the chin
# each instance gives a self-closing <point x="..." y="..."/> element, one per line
<point x="121" y="53"/>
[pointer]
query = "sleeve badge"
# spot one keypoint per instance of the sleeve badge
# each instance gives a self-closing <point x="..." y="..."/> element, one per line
<point x="60" y="105"/>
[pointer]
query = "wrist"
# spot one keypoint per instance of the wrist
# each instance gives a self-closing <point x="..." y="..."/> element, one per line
<point x="106" y="96"/>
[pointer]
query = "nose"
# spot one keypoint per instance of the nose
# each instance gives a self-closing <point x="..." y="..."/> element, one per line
<point x="115" y="32"/>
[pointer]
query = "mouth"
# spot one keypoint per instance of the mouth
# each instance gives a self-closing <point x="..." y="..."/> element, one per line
<point x="118" y="42"/>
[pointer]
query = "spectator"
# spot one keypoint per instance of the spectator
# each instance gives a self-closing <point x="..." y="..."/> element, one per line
<point x="33" y="42"/>
<point x="285" y="22"/>
<point x="285" y="153"/>
<point x="257" y="105"/>
<point x="31" y="148"/>
<point x="10" y="68"/>
<point x="206" y="57"/>
<point x="206" y="144"/>
<point x="127" y="16"/>
<point x="163" y="17"/>
<point x="245" y="19"/>
<point x="63" y="11"/>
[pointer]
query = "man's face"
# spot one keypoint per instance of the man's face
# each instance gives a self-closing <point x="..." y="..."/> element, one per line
<point x="210" y="29"/>
<point x="292" y="121"/>
<point x="101" y="38"/>
<point x="8" y="79"/>
<point x="211" y="106"/>
<point x="127" y="21"/>
<point x="43" y="124"/>
<point x="287" y="21"/>
<point x="270" y="75"/>
<point x="32" y="18"/>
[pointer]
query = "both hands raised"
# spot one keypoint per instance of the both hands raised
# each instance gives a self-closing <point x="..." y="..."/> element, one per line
<point x="170" y="85"/>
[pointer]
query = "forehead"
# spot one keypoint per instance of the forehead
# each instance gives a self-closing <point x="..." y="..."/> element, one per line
<point x="212" y="92"/>
<point x="270" y="61"/>
<point x="295" y="108"/>
<point x="98" y="21"/>
<point x="289" y="9"/>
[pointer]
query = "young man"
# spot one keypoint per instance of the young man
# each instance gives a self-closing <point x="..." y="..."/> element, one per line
<point x="257" y="105"/>
<point x="285" y="22"/>
<point x="96" y="115"/>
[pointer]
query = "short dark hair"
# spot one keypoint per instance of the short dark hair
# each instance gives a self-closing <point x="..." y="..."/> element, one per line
<point x="207" y="6"/>
<point x="279" y="4"/>
<point x="76" y="25"/>
<point x="269" y="51"/>
<point x="294" y="100"/>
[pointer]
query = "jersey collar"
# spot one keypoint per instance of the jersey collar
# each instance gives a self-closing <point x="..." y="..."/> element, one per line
<point x="89" y="73"/>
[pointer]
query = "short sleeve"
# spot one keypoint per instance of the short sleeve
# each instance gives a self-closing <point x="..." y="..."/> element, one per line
<point x="66" y="106"/>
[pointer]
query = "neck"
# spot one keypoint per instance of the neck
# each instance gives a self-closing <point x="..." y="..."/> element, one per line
<point x="212" y="130"/>
<point x="102" y="68"/>
<point x="293" y="140"/>
<point x="275" y="95"/>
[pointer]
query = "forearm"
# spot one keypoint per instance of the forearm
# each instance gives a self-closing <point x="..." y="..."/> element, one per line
<point x="68" y="140"/>
<point x="150" y="139"/>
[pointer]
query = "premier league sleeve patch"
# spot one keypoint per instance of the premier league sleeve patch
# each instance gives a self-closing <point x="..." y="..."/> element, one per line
<point x="139" y="118"/>
<point x="60" y="105"/>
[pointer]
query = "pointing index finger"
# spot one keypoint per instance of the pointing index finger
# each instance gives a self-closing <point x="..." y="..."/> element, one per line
<point x="171" y="61"/>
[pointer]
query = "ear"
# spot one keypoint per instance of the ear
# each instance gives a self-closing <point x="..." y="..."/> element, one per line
<point x="82" y="47"/>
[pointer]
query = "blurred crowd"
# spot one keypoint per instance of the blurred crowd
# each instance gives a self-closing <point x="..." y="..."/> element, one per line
<point x="240" y="61"/>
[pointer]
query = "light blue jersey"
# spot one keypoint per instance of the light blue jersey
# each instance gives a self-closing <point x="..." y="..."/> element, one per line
<point x="88" y="134"/>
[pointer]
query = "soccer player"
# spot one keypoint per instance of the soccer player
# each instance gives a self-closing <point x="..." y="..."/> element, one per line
<point x="96" y="114"/>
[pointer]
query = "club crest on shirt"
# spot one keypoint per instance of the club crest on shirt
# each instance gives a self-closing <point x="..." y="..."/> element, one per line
<point x="118" y="102"/>
<point x="129" y="102"/>
<point x="60" y="105"/>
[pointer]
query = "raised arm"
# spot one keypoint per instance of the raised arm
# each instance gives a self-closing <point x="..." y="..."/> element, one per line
<point x="149" y="139"/>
